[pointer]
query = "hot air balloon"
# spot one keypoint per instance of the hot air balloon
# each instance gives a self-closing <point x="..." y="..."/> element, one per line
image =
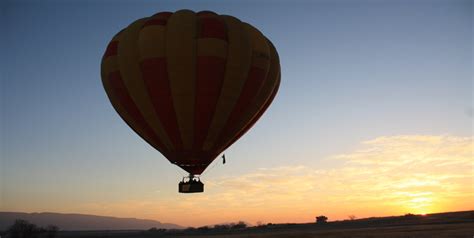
<point x="190" y="84"/>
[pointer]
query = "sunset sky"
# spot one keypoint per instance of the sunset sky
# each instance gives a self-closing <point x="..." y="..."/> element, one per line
<point x="374" y="115"/>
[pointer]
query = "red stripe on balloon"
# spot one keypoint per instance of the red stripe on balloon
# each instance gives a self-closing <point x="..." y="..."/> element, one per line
<point x="155" y="75"/>
<point x="160" y="19"/>
<point x="120" y="91"/>
<point x="162" y="15"/>
<point x="112" y="49"/>
<point x="256" y="118"/>
<point x="202" y="14"/>
<point x="155" y="21"/>
<point x="212" y="27"/>
<point x="210" y="76"/>
<point x="254" y="82"/>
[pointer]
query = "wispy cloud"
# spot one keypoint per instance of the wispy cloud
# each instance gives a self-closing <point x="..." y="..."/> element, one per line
<point x="386" y="175"/>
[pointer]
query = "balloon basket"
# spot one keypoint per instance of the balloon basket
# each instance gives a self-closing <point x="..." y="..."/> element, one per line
<point x="191" y="184"/>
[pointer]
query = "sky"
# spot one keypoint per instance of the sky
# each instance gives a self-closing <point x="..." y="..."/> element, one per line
<point x="374" y="115"/>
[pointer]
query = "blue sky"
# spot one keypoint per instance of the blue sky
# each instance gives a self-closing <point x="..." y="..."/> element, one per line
<point x="351" y="71"/>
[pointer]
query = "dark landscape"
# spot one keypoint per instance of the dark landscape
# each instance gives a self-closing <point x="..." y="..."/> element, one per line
<point x="78" y="222"/>
<point x="229" y="119"/>
<point x="451" y="224"/>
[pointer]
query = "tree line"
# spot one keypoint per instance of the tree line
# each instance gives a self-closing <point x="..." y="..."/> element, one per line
<point x="25" y="229"/>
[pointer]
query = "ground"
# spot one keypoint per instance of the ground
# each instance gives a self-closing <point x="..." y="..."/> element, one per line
<point x="440" y="225"/>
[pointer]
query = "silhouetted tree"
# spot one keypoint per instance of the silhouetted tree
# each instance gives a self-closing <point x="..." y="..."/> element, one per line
<point x="222" y="227"/>
<point x="23" y="229"/>
<point x="239" y="225"/>
<point x="203" y="228"/>
<point x="156" y="230"/>
<point x="410" y="216"/>
<point x="352" y="217"/>
<point x="321" y="219"/>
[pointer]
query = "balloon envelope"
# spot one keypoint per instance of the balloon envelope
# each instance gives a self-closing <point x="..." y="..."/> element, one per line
<point x="190" y="84"/>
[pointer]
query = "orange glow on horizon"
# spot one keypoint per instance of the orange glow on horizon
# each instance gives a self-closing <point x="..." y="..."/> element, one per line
<point x="387" y="176"/>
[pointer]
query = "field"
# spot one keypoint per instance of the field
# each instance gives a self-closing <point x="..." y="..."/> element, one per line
<point x="442" y="225"/>
<point x="416" y="231"/>
<point x="465" y="230"/>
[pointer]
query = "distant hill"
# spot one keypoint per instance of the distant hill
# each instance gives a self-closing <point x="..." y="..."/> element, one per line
<point x="82" y="222"/>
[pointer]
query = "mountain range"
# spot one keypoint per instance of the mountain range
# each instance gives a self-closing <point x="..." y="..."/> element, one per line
<point x="77" y="222"/>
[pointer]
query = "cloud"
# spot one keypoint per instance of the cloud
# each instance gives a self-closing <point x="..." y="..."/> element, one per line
<point x="410" y="173"/>
<point x="384" y="176"/>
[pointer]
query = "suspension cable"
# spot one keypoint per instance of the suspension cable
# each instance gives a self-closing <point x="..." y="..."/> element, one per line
<point x="213" y="166"/>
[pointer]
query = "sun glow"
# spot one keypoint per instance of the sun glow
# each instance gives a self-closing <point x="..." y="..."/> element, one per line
<point x="385" y="177"/>
<point x="420" y="203"/>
